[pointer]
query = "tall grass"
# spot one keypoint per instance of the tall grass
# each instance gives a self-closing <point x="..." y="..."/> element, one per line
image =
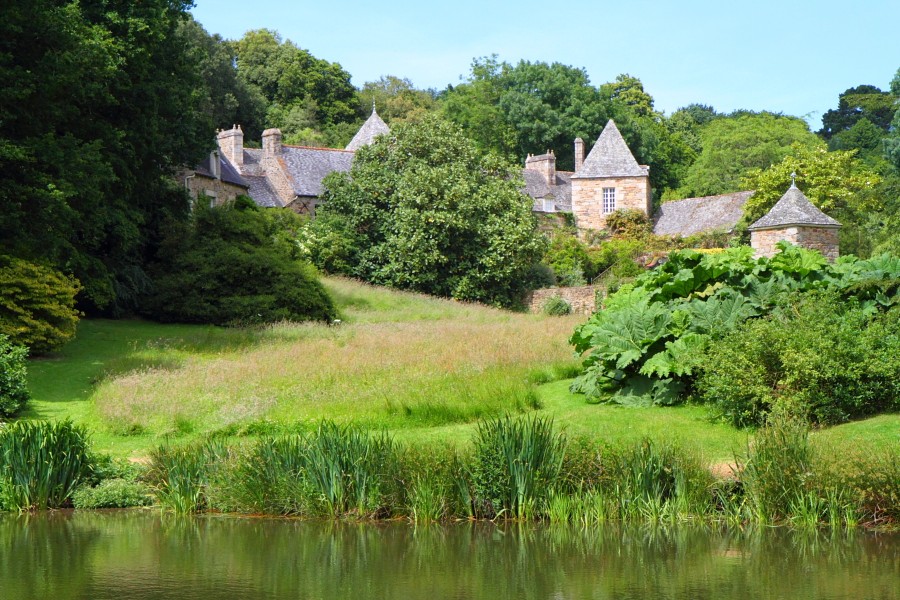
<point x="182" y="475"/>
<point x="515" y="463"/>
<point x="42" y="463"/>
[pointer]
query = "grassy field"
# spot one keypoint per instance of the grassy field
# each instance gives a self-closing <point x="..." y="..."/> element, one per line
<point x="424" y="369"/>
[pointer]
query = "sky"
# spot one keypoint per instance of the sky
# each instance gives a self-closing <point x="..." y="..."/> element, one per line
<point x="789" y="56"/>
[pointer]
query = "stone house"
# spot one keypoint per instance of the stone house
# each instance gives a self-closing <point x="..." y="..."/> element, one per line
<point x="794" y="219"/>
<point x="610" y="178"/>
<point x="214" y="179"/>
<point x="280" y="175"/>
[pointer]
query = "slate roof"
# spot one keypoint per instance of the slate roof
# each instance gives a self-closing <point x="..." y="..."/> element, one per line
<point x="372" y="128"/>
<point x="794" y="209"/>
<point x="262" y="193"/>
<point x="228" y="173"/>
<point x="610" y="157"/>
<point x="561" y="192"/>
<point x="697" y="215"/>
<point x="307" y="167"/>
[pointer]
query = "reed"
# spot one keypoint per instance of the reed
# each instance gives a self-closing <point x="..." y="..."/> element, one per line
<point x="182" y="474"/>
<point x="42" y="463"/>
<point x="515" y="464"/>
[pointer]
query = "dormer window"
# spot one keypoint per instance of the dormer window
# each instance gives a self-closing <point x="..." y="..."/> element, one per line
<point x="549" y="206"/>
<point x="609" y="200"/>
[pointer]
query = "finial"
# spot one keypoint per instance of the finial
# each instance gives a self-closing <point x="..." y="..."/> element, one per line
<point x="373" y="106"/>
<point x="793" y="179"/>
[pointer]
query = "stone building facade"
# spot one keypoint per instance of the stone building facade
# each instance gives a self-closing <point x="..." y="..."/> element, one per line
<point x="214" y="180"/>
<point x="794" y="219"/>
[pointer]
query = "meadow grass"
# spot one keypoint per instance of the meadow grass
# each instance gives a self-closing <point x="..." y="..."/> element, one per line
<point x="424" y="369"/>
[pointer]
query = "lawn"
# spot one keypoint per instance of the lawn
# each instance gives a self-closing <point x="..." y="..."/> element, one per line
<point x="422" y="368"/>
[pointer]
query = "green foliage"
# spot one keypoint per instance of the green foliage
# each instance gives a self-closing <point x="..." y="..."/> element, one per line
<point x="648" y="344"/>
<point x="37" y="308"/>
<point x="556" y="306"/>
<point x="733" y="146"/>
<point x="396" y="100"/>
<point x="95" y="118"/>
<point x="181" y="476"/>
<point x="833" y="181"/>
<point x="14" y="392"/>
<point x="817" y="356"/>
<point x="863" y="102"/>
<point x="629" y="222"/>
<point x="113" y="493"/>
<point x="42" y="463"/>
<point x="235" y="264"/>
<point x="569" y="258"/>
<point x="515" y="463"/>
<point x="423" y="210"/>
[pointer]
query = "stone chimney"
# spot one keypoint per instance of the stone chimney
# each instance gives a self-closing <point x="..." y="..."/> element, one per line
<point x="545" y="164"/>
<point x="214" y="166"/>
<point x="579" y="153"/>
<point x="231" y="143"/>
<point x="271" y="142"/>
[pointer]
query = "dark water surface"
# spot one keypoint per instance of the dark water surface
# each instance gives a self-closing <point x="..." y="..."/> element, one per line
<point x="142" y="555"/>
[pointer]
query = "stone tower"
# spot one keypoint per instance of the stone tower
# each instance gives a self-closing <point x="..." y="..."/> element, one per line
<point x="796" y="220"/>
<point x="609" y="179"/>
<point x="372" y="128"/>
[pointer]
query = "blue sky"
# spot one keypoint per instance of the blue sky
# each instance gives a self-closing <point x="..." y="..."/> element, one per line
<point x="790" y="56"/>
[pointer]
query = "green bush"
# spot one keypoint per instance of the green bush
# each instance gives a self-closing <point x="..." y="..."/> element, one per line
<point x="556" y="306"/>
<point x="113" y="493"/>
<point x="235" y="265"/>
<point x="629" y="222"/>
<point x="13" y="383"/>
<point x="37" y="306"/>
<point x="42" y="463"/>
<point x="817" y="357"/>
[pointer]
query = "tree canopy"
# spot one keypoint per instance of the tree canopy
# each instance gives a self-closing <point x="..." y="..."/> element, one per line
<point x="424" y="209"/>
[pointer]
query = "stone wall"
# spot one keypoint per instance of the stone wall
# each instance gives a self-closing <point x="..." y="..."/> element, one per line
<point x="218" y="191"/>
<point x="587" y="199"/>
<point x="823" y="239"/>
<point x="582" y="299"/>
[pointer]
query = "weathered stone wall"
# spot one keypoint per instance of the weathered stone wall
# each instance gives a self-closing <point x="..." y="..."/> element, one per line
<point x="218" y="191"/>
<point x="587" y="199"/>
<point x="276" y="175"/>
<point x="582" y="299"/>
<point x="823" y="239"/>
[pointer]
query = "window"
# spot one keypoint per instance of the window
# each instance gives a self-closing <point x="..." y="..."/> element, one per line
<point x="609" y="200"/>
<point x="549" y="206"/>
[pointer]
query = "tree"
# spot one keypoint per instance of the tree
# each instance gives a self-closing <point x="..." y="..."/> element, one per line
<point x="98" y="107"/>
<point x="527" y="108"/>
<point x="892" y="143"/>
<point x="860" y="102"/>
<point x="629" y="91"/>
<point x="396" y="100"/>
<point x="424" y="209"/>
<point x="233" y="264"/>
<point x="733" y="146"/>
<point x="301" y="91"/>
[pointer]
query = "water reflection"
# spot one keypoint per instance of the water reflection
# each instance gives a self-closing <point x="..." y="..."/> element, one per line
<point x="141" y="555"/>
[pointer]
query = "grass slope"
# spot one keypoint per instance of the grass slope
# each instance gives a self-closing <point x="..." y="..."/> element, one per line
<point x="423" y="368"/>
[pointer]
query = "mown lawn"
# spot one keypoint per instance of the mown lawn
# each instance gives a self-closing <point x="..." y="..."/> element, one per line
<point x="422" y="368"/>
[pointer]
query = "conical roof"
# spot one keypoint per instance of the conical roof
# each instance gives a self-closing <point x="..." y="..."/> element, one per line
<point x="610" y="157"/>
<point x="794" y="208"/>
<point x="372" y="128"/>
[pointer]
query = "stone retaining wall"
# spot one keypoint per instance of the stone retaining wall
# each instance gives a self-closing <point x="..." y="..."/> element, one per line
<point x="581" y="299"/>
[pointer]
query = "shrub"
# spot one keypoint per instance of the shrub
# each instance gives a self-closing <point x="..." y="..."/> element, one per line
<point x="568" y="257"/>
<point x="629" y="222"/>
<point x="234" y="266"/>
<point x="13" y="384"/>
<point x="556" y="306"/>
<point x="113" y="493"/>
<point x="42" y="463"/>
<point x="818" y="357"/>
<point x="37" y="306"/>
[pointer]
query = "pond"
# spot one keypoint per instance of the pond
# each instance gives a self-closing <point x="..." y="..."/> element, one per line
<point x="138" y="555"/>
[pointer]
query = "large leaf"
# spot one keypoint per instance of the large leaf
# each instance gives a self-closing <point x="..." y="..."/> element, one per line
<point x="627" y="334"/>
<point x="721" y="313"/>
<point x="679" y="357"/>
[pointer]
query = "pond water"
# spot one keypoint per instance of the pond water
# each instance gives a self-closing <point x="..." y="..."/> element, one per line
<point x="137" y="555"/>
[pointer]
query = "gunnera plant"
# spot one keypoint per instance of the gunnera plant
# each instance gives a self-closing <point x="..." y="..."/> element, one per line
<point x="516" y="463"/>
<point x="42" y="463"/>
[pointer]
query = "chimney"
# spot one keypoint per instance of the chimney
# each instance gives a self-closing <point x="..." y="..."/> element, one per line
<point x="231" y="143"/>
<point x="271" y="142"/>
<point x="579" y="153"/>
<point x="214" y="166"/>
<point x="545" y="164"/>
